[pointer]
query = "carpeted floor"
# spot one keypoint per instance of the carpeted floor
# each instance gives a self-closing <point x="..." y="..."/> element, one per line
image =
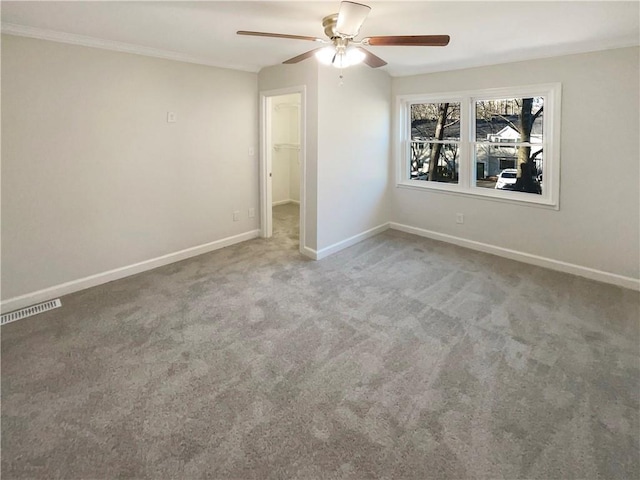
<point x="397" y="358"/>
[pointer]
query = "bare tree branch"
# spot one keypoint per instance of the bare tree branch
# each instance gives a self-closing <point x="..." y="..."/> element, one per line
<point x="537" y="114"/>
<point x="532" y="157"/>
<point x="511" y="124"/>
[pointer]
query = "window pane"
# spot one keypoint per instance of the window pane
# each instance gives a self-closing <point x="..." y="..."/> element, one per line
<point x="435" y="121"/>
<point x="446" y="167"/>
<point x="510" y="120"/>
<point x="497" y="167"/>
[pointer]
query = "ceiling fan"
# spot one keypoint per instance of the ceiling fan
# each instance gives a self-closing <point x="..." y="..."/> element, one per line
<point x="342" y="50"/>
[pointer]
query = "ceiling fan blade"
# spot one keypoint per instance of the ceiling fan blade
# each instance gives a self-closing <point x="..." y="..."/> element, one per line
<point x="372" y="60"/>
<point x="279" y="35"/>
<point x="302" y="56"/>
<point x="350" y="18"/>
<point x="408" y="40"/>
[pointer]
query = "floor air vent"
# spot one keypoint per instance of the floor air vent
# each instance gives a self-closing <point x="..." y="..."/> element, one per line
<point x="32" y="310"/>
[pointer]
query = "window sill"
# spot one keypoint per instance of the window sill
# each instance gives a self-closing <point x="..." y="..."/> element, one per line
<point x="513" y="198"/>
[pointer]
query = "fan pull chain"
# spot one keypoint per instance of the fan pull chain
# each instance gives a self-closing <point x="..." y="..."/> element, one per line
<point x="341" y="78"/>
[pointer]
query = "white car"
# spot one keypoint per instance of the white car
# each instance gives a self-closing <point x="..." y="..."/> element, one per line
<point x="507" y="179"/>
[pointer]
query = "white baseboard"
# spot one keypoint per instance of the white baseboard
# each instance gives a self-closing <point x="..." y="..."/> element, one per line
<point x="586" y="272"/>
<point x="93" y="280"/>
<point x="309" y="252"/>
<point x="284" y="202"/>
<point x="336" y="247"/>
<point x="118" y="273"/>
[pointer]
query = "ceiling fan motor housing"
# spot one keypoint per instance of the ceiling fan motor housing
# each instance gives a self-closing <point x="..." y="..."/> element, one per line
<point x="329" y="23"/>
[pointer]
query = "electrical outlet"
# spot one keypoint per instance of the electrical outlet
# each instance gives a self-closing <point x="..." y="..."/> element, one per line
<point x="252" y="151"/>
<point x="171" y="117"/>
<point x="236" y="215"/>
<point x="459" y="218"/>
<point x="252" y="212"/>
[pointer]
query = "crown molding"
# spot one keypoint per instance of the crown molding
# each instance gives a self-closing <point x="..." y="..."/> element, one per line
<point x="82" y="40"/>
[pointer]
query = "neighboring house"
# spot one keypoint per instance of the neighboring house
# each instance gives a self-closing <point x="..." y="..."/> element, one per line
<point x="492" y="160"/>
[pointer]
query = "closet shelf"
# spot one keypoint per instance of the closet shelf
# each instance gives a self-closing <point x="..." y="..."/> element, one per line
<point x="286" y="146"/>
<point x="286" y="105"/>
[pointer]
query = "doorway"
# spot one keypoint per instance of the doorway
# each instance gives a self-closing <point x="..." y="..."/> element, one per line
<point x="282" y="166"/>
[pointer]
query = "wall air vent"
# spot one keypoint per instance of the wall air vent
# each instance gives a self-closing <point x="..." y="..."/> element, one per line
<point x="32" y="310"/>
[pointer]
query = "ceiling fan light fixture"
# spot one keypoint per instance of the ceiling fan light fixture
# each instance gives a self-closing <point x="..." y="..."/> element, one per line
<point x="355" y="56"/>
<point x="326" y="55"/>
<point x="340" y="57"/>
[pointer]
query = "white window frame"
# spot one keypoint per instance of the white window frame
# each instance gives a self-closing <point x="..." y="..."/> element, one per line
<point x="467" y="170"/>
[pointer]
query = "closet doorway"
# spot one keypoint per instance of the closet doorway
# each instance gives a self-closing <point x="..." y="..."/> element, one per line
<point x="282" y="166"/>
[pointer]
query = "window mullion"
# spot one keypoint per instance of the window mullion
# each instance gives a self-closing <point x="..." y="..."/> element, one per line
<point x="466" y="159"/>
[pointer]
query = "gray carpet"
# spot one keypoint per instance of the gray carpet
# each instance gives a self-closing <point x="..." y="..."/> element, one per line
<point x="399" y="357"/>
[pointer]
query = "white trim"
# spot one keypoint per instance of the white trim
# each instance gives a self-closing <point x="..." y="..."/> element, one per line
<point x="336" y="247"/>
<point x="266" y="190"/>
<point x="118" y="273"/>
<point x="266" y="200"/>
<point x="309" y="252"/>
<point x="26" y="300"/>
<point x="84" y="41"/>
<point x="552" y="92"/>
<point x="596" y="45"/>
<point x="557" y="265"/>
<point x="478" y="194"/>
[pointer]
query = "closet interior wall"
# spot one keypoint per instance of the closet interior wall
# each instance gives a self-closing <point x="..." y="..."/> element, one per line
<point x="286" y="149"/>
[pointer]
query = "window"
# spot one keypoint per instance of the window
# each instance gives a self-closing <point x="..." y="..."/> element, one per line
<point x="500" y="143"/>
<point x="435" y="139"/>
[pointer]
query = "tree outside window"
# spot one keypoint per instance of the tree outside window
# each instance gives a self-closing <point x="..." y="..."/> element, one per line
<point x="501" y="143"/>
<point x="509" y="136"/>
<point x="435" y="138"/>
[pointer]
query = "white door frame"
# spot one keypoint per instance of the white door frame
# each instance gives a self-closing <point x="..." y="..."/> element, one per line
<point x="266" y="151"/>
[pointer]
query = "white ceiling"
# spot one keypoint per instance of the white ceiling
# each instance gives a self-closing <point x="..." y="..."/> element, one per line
<point x="482" y="33"/>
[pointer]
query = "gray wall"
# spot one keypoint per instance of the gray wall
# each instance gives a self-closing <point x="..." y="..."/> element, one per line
<point x="597" y="225"/>
<point x="353" y="152"/>
<point x="285" y="76"/>
<point x="347" y="148"/>
<point x="93" y="176"/>
<point x="95" y="179"/>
